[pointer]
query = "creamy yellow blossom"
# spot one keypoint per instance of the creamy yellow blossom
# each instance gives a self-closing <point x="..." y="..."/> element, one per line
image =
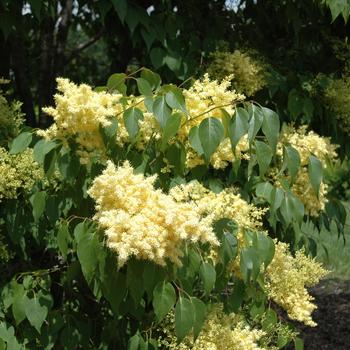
<point x="248" y="74"/>
<point x="214" y="206"/>
<point x="286" y="280"/>
<point x="204" y="99"/>
<point x="144" y="222"/>
<point x="307" y="143"/>
<point x="78" y="114"/>
<point x="220" y="332"/>
<point x="18" y="171"/>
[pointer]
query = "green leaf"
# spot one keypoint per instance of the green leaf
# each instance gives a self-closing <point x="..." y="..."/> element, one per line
<point x="19" y="303"/>
<point x="131" y="121"/>
<point x="228" y="247"/>
<point x="194" y="140"/>
<point x="157" y="55"/>
<point x="211" y="133"/>
<point x="264" y="156"/>
<point x="263" y="189"/>
<point x="134" y="280"/>
<point x="50" y="163"/>
<point x="238" y="126"/>
<point x="235" y="299"/>
<point x="265" y="247"/>
<point x="38" y="201"/>
<point x="175" y="99"/>
<point x="121" y="8"/>
<point x="255" y="122"/>
<point x="21" y="142"/>
<point x="36" y="312"/>
<point x="315" y="173"/>
<point x="117" y="82"/>
<point x="208" y="275"/>
<point x="63" y="238"/>
<point x="295" y="104"/>
<point x="144" y="87"/>
<point x="184" y="318"/>
<point x="153" y="78"/>
<point x="271" y="127"/>
<point x="113" y="283"/>
<point x="42" y="148"/>
<point x="88" y="249"/>
<point x="270" y="319"/>
<point x="250" y="264"/>
<point x="200" y="311"/>
<point x="298" y="344"/>
<point x="176" y="156"/>
<point x="308" y="108"/>
<point x="109" y="133"/>
<point x="161" y="111"/>
<point x="292" y="209"/>
<point x="134" y="342"/>
<point x="292" y="160"/>
<point x="172" y="126"/>
<point x="276" y="198"/>
<point x="164" y="298"/>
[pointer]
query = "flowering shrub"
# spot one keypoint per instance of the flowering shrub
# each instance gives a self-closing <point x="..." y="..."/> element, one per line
<point x="151" y="216"/>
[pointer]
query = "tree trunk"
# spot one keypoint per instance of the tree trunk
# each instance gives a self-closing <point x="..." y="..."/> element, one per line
<point x="19" y="64"/>
<point x="46" y="79"/>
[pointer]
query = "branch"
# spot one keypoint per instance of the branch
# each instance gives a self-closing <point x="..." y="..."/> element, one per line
<point x="83" y="46"/>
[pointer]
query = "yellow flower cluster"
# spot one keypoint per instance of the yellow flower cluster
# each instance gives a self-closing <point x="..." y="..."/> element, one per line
<point x="337" y="99"/>
<point x="11" y="117"/>
<point x="307" y="143"/>
<point x="247" y="73"/>
<point x="144" y="222"/>
<point x="204" y="99"/>
<point x="303" y="190"/>
<point x="78" y="114"/>
<point x="220" y="332"/>
<point x="18" y="171"/>
<point x="214" y="206"/>
<point x="287" y="278"/>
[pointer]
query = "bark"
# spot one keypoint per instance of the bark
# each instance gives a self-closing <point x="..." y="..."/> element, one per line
<point x="46" y="75"/>
<point x="62" y="35"/>
<point x="4" y="58"/>
<point x="19" y="63"/>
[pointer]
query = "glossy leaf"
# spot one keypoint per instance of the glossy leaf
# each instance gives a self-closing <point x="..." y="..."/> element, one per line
<point x="21" y="142"/>
<point x="144" y="87"/>
<point x="238" y="126"/>
<point x="164" y="298"/>
<point x="263" y="155"/>
<point x="184" y="318"/>
<point x="211" y="133"/>
<point x="171" y="128"/>
<point x="195" y="141"/>
<point x="271" y="127"/>
<point x="250" y="264"/>
<point x="176" y="100"/>
<point x="38" y="201"/>
<point x="131" y="117"/>
<point x="200" y="311"/>
<point x="208" y="275"/>
<point x="255" y="122"/>
<point x="161" y="110"/>
<point x="315" y="173"/>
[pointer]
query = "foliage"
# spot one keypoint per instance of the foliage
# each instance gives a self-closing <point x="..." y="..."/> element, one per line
<point x="11" y="118"/>
<point x="249" y="74"/>
<point x="166" y="227"/>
